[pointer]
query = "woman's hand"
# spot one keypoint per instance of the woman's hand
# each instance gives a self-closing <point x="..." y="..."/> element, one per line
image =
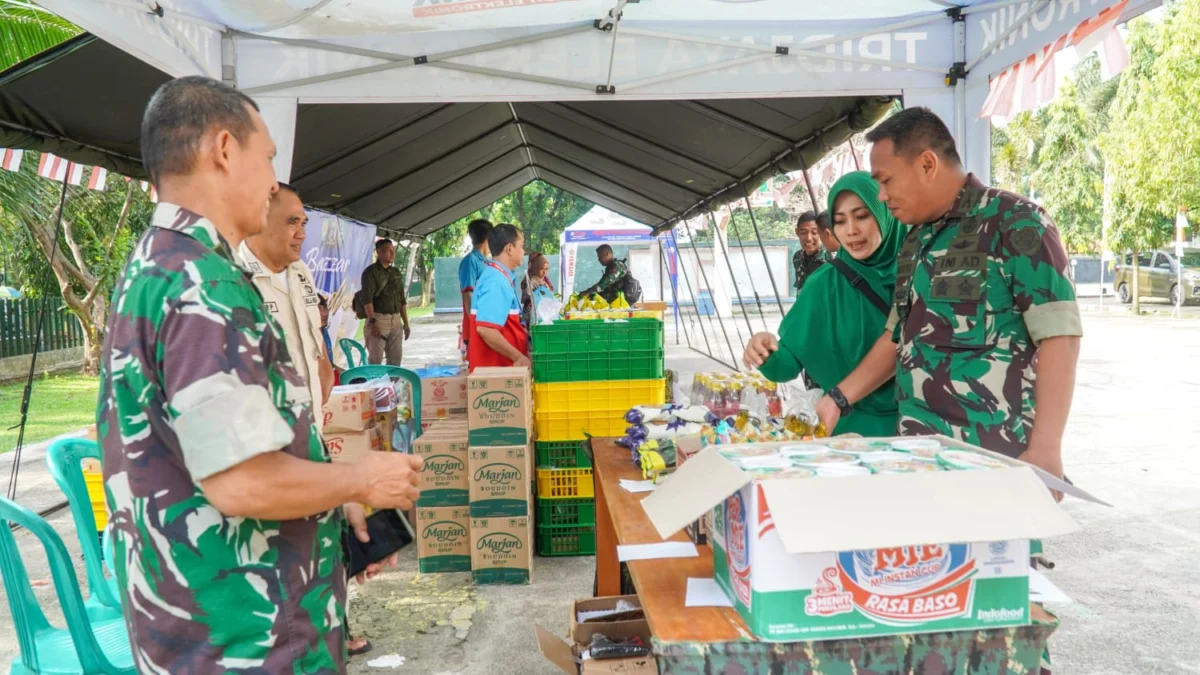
<point x="759" y="349"/>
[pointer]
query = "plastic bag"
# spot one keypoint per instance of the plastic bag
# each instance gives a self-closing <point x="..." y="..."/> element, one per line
<point x="546" y="307"/>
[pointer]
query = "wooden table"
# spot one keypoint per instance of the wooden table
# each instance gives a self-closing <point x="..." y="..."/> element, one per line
<point x="715" y="640"/>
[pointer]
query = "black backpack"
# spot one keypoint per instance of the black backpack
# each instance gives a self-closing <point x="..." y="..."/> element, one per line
<point x="632" y="288"/>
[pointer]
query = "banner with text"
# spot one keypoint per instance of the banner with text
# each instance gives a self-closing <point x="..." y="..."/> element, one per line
<point x="337" y="250"/>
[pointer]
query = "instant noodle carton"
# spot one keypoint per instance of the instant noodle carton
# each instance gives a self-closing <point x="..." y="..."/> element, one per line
<point x="867" y="555"/>
<point x="444" y="397"/>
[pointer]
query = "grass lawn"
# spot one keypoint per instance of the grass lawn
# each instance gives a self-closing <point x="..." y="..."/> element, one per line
<point x="59" y="404"/>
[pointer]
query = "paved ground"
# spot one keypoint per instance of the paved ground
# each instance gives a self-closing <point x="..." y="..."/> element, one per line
<point x="1129" y="568"/>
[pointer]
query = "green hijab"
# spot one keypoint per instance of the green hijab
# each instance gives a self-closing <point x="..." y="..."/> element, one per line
<point x="832" y="326"/>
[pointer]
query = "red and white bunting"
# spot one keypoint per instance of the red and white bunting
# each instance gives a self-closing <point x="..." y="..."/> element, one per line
<point x="53" y="167"/>
<point x="75" y="174"/>
<point x="1031" y="83"/>
<point x="98" y="179"/>
<point x="10" y="160"/>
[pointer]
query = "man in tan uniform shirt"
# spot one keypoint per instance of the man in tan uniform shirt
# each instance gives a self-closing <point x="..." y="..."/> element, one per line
<point x="289" y="290"/>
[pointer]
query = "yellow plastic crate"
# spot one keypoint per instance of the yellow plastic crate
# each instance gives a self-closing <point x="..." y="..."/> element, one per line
<point x="581" y="397"/>
<point x="570" y="426"/>
<point x="95" y="489"/>
<point x="565" y="484"/>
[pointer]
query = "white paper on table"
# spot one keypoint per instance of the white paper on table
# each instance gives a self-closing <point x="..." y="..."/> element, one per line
<point x="636" y="486"/>
<point x="665" y="549"/>
<point x="1042" y="589"/>
<point x="705" y="593"/>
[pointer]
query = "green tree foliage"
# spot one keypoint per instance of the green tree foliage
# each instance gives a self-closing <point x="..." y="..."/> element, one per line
<point x="26" y="31"/>
<point x="97" y="233"/>
<point x="773" y="223"/>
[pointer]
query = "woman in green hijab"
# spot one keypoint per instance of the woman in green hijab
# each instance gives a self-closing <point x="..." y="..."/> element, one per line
<point x="832" y="324"/>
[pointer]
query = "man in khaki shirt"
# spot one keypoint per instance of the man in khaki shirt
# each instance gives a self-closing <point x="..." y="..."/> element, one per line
<point x="289" y="291"/>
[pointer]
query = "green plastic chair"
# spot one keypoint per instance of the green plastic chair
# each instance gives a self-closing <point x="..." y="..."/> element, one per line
<point x="65" y="460"/>
<point x="84" y="647"/>
<point x="352" y="349"/>
<point x="364" y="373"/>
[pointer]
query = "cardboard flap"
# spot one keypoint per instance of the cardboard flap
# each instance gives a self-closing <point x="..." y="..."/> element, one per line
<point x="556" y="650"/>
<point x="852" y="513"/>
<point x="1050" y="481"/>
<point x="700" y="484"/>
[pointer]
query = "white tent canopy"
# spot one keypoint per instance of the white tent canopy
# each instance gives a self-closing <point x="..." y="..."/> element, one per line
<point x="291" y="52"/>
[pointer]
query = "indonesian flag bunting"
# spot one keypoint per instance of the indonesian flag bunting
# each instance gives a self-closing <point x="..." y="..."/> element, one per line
<point x="99" y="178"/>
<point x="75" y="174"/>
<point x="1031" y="83"/>
<point x="53" y="167"/>
<point x="10" y="160"/>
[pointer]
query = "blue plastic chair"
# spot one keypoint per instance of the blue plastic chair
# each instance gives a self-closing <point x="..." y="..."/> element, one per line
<point x="84" y="647"/>
<point x="65" y="460"/>
<point x="364" y="373"/>
<point x="353" y="349"/>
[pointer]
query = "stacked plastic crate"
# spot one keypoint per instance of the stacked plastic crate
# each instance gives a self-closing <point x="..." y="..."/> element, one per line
<point x="587" y="375"/>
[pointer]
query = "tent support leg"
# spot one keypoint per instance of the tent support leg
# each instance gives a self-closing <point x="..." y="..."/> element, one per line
<point x="720" y="321"/>
<point x="695" y="297"/>
<point x="737" y="330"/>
<point x="725" y="245"/>
<point x="762" y="249"/>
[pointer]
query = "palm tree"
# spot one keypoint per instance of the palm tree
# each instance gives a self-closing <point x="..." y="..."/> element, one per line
<point x="26" y="30"/>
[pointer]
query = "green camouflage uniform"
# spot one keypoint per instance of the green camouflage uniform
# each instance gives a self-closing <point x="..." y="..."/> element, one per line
<point x="976" y="292"/>
<point x="612" y="282"/>
<point x="195" y="379"/>
<point x="806" y="264"/>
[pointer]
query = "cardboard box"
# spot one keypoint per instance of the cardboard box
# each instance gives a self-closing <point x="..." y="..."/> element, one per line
<point x="830" y="558"/>
<point x="566" y="654"/>
<point x="351" y="446"/>
<point x="348" y="409"/>
<point x="499" y="404"/>
<point x="500" y="480"/>
<point x="444" y="477"/>
<point x="502" y="550"/>
<point x="444" y="539"/>
<point x="444" y="397"/>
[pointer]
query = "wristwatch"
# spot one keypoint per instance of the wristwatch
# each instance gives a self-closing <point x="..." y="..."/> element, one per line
<point x="840" y="399"/>
<point x="371" y="320"/>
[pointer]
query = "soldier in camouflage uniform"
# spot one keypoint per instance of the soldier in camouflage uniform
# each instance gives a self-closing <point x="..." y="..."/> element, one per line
<point x="811" y="254"/>
<point x="615" y="279"/>
<point x="983" y="338"/>
<point x="226" y="533"/>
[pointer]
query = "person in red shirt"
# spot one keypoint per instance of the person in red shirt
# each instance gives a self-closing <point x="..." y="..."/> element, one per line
<point x="498" y="338"/>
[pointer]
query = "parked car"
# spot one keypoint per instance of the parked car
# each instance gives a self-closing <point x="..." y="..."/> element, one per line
<point x="1158" y="276"/>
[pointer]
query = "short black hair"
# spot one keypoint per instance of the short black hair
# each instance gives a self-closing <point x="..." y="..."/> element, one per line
<point x="806" y="217"/>
<point x="379" y="244"/>
<point x="915" y="130"/>
<point x="322" y="301"/>
<point x="604" y="248"/>
<point x="178" y="116"/>
<point x="479" y="229"/>
<point x="291" y="189"/>
<point x="823" y="221"/>
<point x="502" y="235"/>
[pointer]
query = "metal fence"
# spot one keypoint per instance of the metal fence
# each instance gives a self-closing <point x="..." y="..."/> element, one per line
<point x="18" y="328"/>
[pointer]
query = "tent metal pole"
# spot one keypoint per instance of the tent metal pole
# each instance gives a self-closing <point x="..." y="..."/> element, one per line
<point x="524" y="141"/>
<point x="717" y="235"/>
<point x="712" y="292"/>
<point x="480" y="70"/>
<point x="763" y="249"/>
<point x="615" y="15"/>
<point x="695" y="296"/>
<point x="1020" y="22"/>
<point x="762" y="315"/>
<point x="674" y="296"/>
<point x="960" y="84"/>
<point x="736" y="329"/>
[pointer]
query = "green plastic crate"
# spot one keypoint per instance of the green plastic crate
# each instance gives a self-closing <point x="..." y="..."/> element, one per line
<point x="566" y="512"/>
<point x="566" y="540"/>
<point x="580" y="337"/>
<point x="638" y="364"/>
<point x="561" y="455"/>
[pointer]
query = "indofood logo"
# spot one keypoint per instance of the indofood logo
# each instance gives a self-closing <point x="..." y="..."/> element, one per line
<point x="430" y="8"/>
<point x="443" y="465"/>
<point x="500" y="543"/>
<point x="446" y="530"/>
<point x="497" y="402"/>
<point x="497" y="474"/>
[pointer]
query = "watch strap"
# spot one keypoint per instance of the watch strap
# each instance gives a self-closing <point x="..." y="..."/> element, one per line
<point x="840" y="399"/>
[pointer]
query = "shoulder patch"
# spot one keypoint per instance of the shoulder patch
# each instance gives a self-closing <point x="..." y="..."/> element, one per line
<point x="1026" y="240"/>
